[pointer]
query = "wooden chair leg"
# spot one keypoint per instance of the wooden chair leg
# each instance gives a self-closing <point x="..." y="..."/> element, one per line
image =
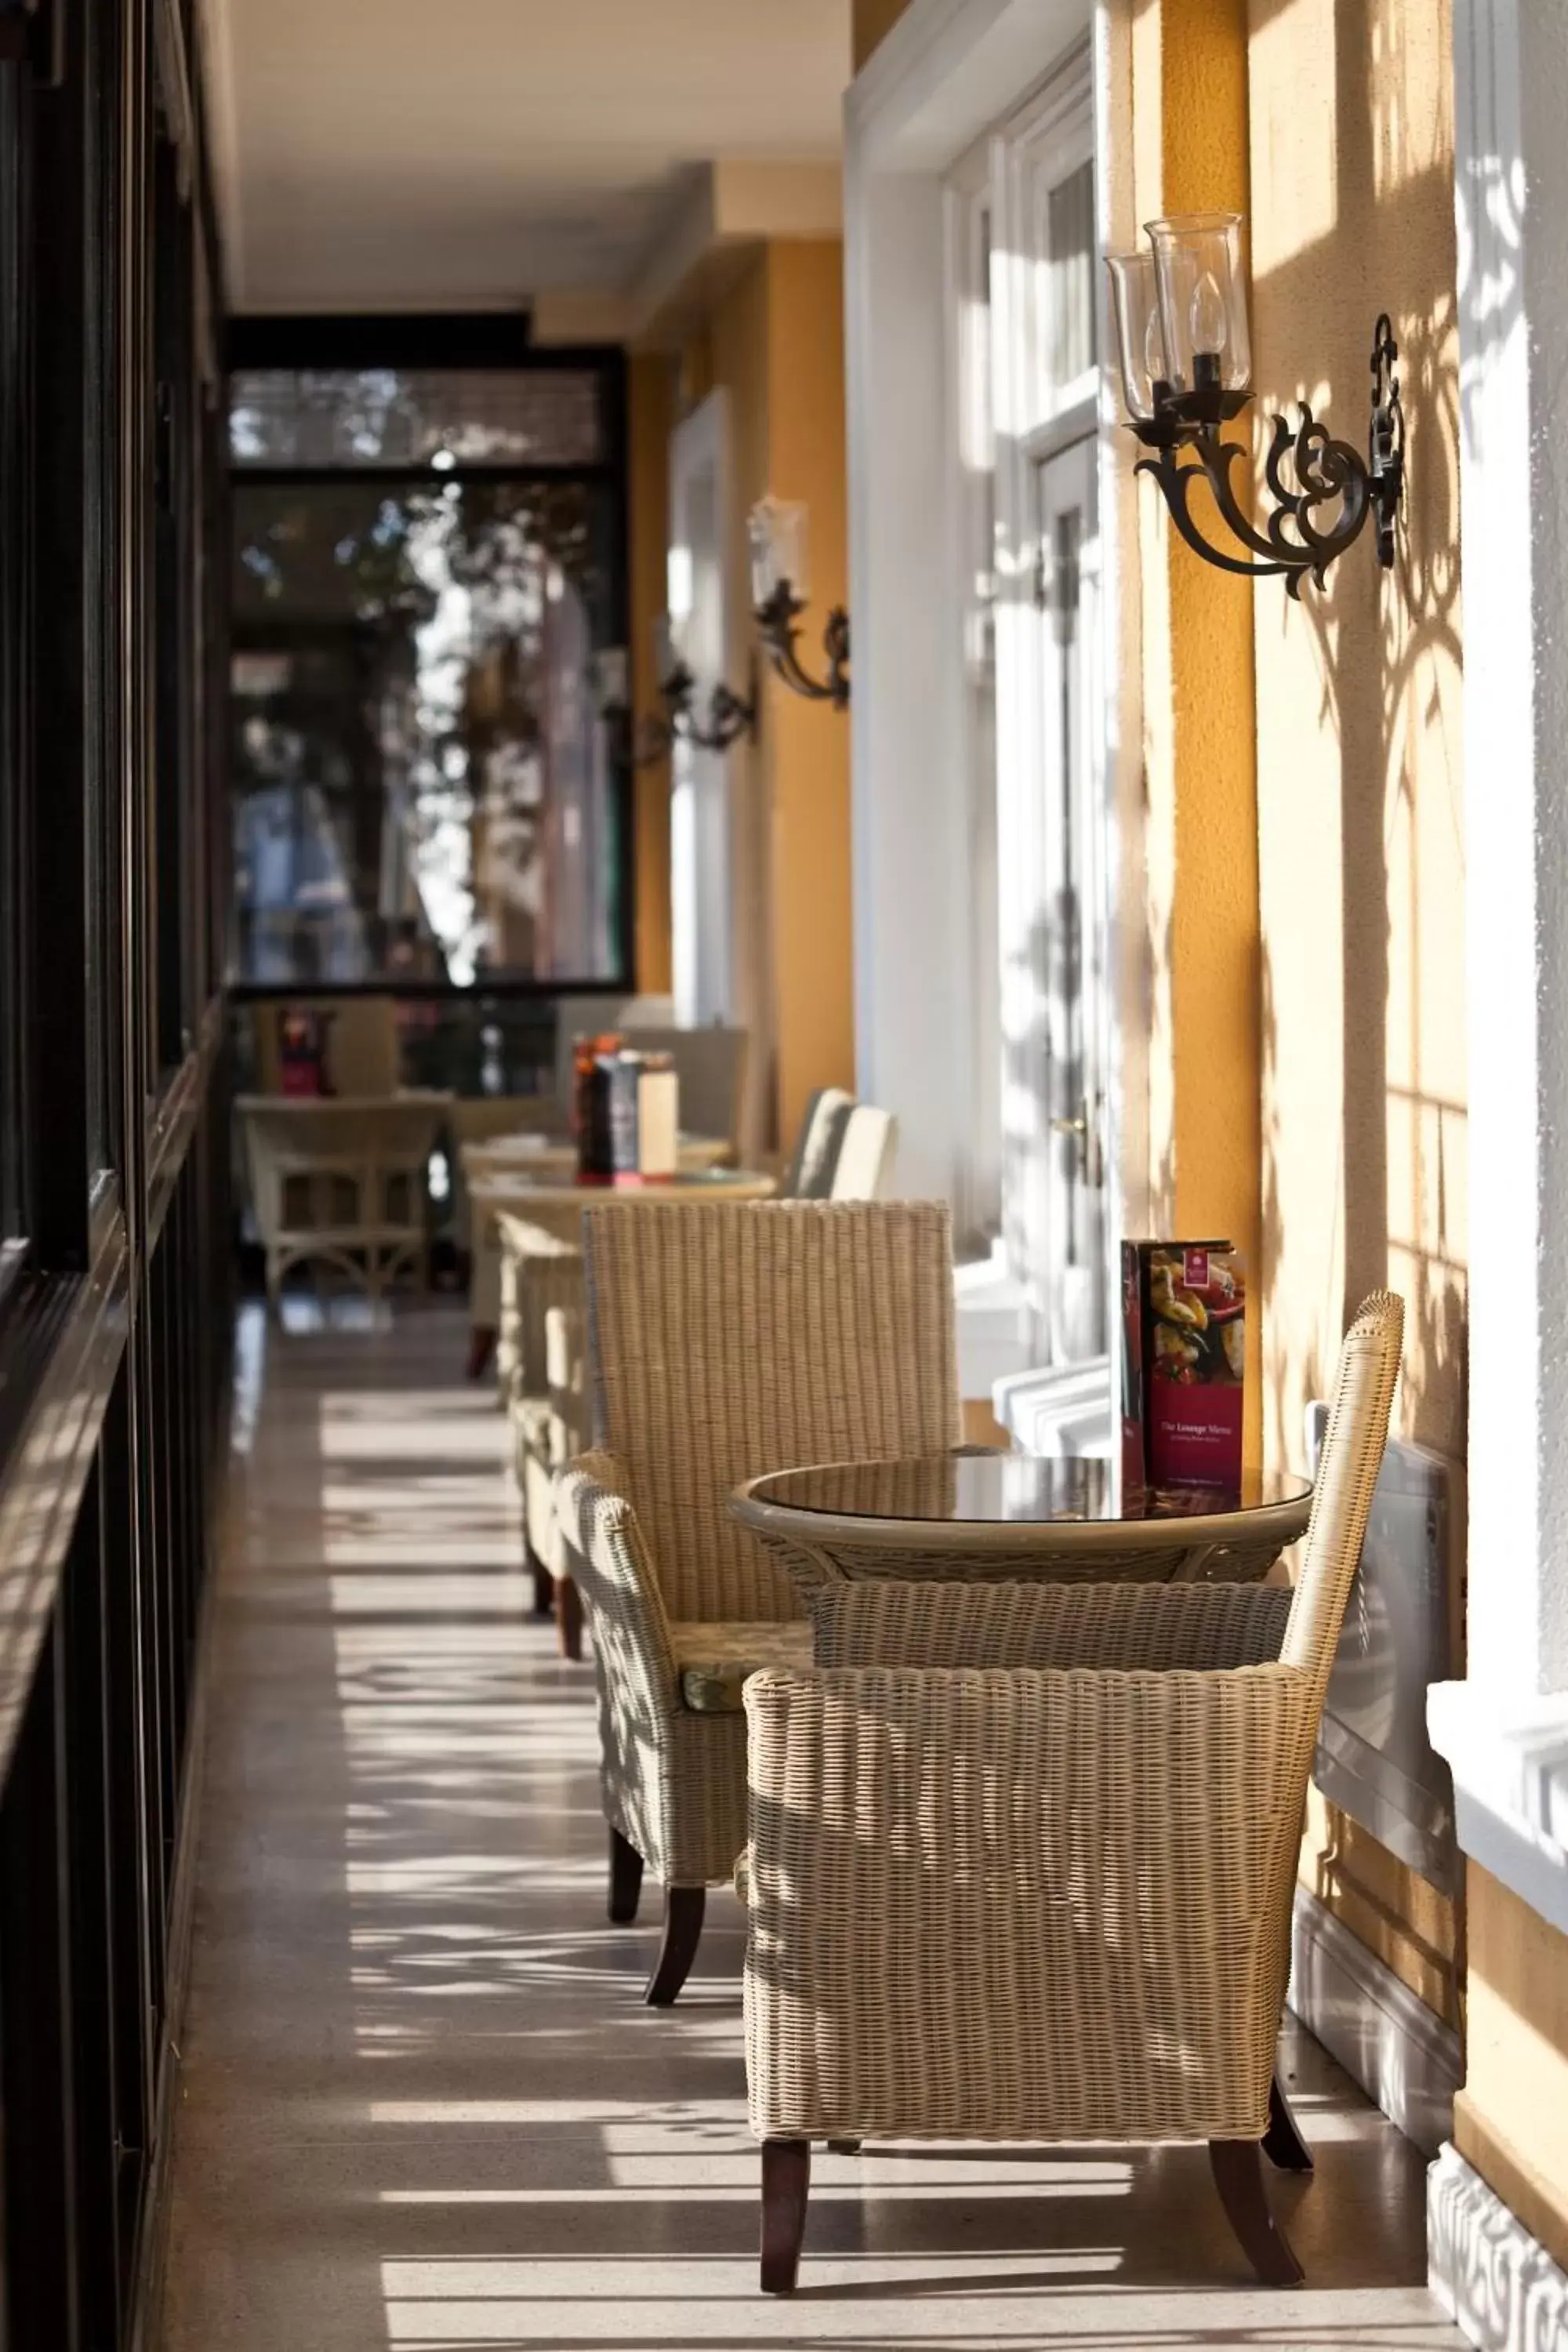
<point x="1282" y="2142"/>
<point x="683" y="1908"/>
<point x="544" y="1582"/>
<point x="843" y="2148"/>
<point x="786" y="2184"/>
<point x="626" y="1879"/>
<point x="1237" y="2166"/>
<point x="481" y="1348"/>
<point x="568" y="1618"/>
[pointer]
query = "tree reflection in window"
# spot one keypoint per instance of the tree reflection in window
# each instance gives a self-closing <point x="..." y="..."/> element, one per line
<point x="422" y="787"/>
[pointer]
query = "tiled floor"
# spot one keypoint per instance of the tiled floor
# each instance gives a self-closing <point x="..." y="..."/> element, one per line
<point x="423" y="2105"/>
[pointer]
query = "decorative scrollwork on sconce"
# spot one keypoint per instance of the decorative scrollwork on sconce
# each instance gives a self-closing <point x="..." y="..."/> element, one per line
<point x="1322" y="473"/>
<point x="729" y="715"/>
<point x="775" y="619"/>
<point x="644" y="743"/>
<point x="1184" y="348"/>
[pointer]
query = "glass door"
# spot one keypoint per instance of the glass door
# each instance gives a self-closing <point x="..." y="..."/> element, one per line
<point x="1072" y="992"/>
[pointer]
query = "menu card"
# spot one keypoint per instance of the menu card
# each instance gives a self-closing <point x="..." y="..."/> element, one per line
<point x="1183" y="1351"/>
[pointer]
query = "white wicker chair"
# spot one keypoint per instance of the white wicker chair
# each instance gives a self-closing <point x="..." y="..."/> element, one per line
<point x="725" y="1341"/>
<point x="341" y="1184"/>
<point x="1022" y="1858"/>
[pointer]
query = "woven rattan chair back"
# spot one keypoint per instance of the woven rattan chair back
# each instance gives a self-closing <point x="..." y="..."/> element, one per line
<point x="1351" y="1458"/>
<point x="726" y="1341"/>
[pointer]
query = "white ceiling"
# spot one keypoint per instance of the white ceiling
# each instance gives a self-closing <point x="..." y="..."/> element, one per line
<point x="454" y="154"/>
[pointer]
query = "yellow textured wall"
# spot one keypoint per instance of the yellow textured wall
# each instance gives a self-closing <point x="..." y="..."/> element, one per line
<point x="1198" y="695"/>
<point x="650" y="398"/>
<point x="1361" y="828"/>
<point x="1511" y="2120"/>
<point x="805" y="745"/>
<point x="775" y="343"/>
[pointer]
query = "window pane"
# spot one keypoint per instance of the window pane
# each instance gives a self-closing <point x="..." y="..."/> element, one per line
<point x="415" y="416"/>
<point x="423" y="787"/>
<point x="1070" y="276"/>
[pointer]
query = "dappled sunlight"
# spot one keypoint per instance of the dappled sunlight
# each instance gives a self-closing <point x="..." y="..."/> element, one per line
<point x="433" y="2111"/>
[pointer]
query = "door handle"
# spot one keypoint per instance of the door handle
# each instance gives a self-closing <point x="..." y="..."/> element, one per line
<point x="1091" y="1165"/>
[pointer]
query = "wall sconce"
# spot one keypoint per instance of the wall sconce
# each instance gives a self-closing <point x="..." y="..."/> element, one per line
<point x="649" y="740"/>
<point x="1180" y="330"/>
<point x="729" y="715"/>
<point x="781" y="592"/>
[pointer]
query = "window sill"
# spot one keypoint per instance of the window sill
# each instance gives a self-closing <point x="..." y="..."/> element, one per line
<point x="1510" y="1787"/>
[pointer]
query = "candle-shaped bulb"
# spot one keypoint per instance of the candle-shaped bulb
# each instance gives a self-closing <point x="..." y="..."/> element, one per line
<point x="1154" y="349"/>
<point x="1206" y="315"/>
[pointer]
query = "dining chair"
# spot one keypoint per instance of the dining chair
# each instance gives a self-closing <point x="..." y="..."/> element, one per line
<point x="1022" y="1858"/>
<point x="842" y="1153"/>
<point x="809" y="1171"/>
<point x="340" y="1184"/>
<point x="722" y="1340"/>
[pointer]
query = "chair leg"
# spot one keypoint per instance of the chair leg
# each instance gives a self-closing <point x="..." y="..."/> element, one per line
<point x="626" y="1879"/>
<point x="544" y="1582"/>
<point x="1238" y="2167"/>
<point x="568" y="1618"/>
<point x="683" y="1908"/>
<point x="843" y="2148"/>
<point x="786" y="2184"/>
<point x="1282" y="2142"/>
<point x="481" y="1348"/>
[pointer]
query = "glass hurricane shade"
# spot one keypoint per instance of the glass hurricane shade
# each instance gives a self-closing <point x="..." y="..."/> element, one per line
<point x="777" y="528"/>
<point x="666" y="646"/>
<point x="1202" y="300"/>
<point x="1135" y="306"/>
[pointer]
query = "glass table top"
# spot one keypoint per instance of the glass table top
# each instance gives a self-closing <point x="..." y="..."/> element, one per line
<point x="1021" y="1488"/>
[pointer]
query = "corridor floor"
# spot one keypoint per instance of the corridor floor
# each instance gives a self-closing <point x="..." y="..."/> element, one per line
<point x="422" y="2105"/>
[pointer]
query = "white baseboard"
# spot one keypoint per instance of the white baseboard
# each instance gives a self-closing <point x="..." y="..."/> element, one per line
<point x="1497" y="2284"/>
<point x="1404" y="2057"/>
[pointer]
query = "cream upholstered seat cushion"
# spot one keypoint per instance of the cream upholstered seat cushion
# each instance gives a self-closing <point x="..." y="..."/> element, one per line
<point x="713" y="1661"/>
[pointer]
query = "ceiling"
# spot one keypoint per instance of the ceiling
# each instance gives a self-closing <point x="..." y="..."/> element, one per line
<point x="463" y="154"/>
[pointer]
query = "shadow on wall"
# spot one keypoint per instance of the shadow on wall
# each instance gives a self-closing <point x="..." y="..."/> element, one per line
<point x="1386" y="655"/>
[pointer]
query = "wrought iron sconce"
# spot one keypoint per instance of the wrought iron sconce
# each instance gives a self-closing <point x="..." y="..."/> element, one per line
<point x="729" y="715"/>
<point x="1181" y="325"/>
<point x="646" y="741"/>
<point x="780" y="594"/>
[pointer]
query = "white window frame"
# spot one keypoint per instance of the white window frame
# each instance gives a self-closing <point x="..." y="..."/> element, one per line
<point x="946" y="74"/>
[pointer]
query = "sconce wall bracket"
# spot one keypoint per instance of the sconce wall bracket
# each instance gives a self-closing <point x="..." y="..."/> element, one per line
<point x="775" y="621"/>
<point x="1184" y="434"/>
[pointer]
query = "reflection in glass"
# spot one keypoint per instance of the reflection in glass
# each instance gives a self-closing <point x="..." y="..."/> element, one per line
<point x="1020" y="1488"/>
<point x="1071" y="244"/>
<point x="342" y="418"/>
<point x="424" y="787"/>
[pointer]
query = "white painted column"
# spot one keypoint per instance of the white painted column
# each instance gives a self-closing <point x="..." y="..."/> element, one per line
<point x="1505" y="1728"/>
<point x="906" y="803"/>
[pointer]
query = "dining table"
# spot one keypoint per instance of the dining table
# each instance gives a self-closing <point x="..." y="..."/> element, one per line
<point x="978" y="1513"/>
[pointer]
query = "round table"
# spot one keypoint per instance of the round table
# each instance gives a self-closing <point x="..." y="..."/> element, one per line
<point x="1015" y="1516"/>
<point x="529" y="1207"/>
<point x="553" y="1159"/>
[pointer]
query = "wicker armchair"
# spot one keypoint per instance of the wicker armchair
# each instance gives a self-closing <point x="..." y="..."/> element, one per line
<point x="726" y="1339"/>
<point x="842" y="1153"/>
<point x="1022" y="1858"/>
